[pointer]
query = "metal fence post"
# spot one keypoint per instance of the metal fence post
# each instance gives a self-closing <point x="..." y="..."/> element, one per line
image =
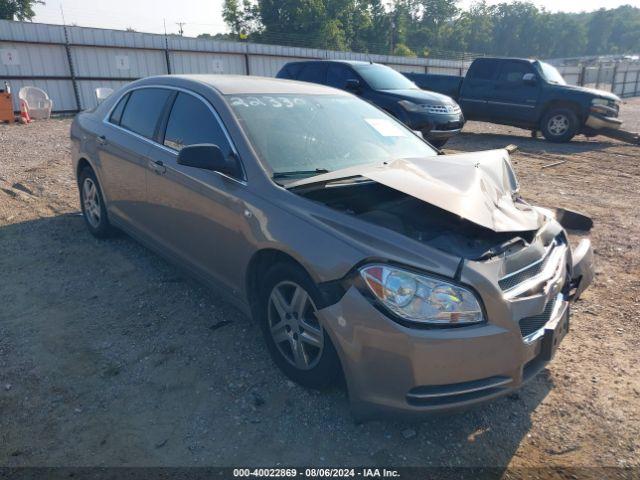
<point x="166" y="54"/>
<point x="613" y="79"/>
<point x="72" y="71"/>
<point x="246" y="60"/>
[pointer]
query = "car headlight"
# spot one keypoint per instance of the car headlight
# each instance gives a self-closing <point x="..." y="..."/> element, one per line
<point x="604" y="107"/>
<point x="409" y="106"/>
<point x="420" y="298"/>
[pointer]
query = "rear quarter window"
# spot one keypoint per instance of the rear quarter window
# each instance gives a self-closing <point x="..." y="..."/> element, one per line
<point x="143" y="110"/>
<point x="116" y="114"/>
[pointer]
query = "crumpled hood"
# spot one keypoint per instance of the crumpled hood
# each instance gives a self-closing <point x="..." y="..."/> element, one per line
<point x="480" y="187"/>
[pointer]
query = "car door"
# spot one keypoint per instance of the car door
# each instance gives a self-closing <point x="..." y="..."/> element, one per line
<point x="122" y="150"/>
<point x="197" y="215"/>
<point x="477" y="86"/>
<point x="512" y="99"/>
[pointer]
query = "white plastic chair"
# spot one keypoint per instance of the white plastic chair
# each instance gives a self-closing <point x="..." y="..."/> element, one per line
<point x="102" y="93"/>
<point x="38" y="103"/>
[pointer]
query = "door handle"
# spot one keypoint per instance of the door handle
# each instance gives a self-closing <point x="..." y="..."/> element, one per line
<point x="102" y="140"/>
<point x="157" y="166"/>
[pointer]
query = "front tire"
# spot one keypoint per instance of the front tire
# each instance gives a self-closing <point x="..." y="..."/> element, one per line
<point x="92" y="203"/>
<point x="559" y="125"/>
<point x="297" y="342"/>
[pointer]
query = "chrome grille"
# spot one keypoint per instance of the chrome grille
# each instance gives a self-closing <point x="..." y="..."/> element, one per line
<point x="529" y="325"/>
<point x="443" y="109"/>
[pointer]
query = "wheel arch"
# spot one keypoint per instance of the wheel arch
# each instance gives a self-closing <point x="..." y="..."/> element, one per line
<point x="330" y="292"/>
<point x="82" y="164"/>
<point x="263" y="259"/>
<point x="258" y="265"/>
<point x="569" y="104"/>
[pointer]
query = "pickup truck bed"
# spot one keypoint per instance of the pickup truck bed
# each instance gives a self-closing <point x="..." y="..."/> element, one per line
<point x="446" y="84"/>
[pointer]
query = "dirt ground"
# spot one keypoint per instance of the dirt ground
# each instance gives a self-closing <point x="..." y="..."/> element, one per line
<point x="109" y="357"/>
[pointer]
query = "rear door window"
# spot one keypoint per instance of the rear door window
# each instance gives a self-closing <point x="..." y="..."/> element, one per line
<point x="315" y="72"/>
<point x="143" y="110"/>
<point x="190" y="122"/>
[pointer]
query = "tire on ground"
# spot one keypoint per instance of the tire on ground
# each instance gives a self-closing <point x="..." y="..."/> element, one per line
<point x="559" y="124"/>
<point x="327" y="368"/>
<point x="100" y="228"/>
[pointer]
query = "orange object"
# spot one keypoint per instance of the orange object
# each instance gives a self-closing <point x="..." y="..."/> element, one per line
<point x="6" y="108"/>
<point x="24" y="112"/>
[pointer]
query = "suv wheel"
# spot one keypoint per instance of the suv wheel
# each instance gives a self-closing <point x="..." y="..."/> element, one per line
<point x="92" y="203"/>
<point x="297" y="342"/>
<point x="559" y="125"/>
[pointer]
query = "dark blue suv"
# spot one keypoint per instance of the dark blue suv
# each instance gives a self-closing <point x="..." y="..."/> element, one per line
<point x="437" y="116"/>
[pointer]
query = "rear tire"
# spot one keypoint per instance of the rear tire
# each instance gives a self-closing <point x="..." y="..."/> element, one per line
<point x="94" y="210"/>
<point x="297" y="342"/>
<point x="559" y="125"/>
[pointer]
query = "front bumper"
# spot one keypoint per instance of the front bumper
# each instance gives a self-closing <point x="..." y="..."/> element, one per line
<point x="394" y="370"/>
<point x="436" y="126"/>
<point x="599" y="122"/>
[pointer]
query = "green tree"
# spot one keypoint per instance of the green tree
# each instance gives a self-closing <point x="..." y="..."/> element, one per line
<point x="18" y="9"/>
<point x="434" y="26"/>
<point x="242" y="17"/>
<point x="403" y="51"/>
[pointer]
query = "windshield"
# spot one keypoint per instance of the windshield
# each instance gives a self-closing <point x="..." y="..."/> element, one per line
<point x="380" y="77"/>
<point x="551" y="74"/>
<point x="312" y="134"/>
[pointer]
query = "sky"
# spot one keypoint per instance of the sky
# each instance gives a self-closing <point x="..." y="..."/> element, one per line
<point x="205" y="16"/>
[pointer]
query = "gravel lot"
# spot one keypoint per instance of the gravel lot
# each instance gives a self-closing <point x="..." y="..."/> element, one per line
<point x="109" y="357"/>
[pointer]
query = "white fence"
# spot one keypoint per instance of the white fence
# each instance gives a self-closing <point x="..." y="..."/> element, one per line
<point x="69" y="63"/>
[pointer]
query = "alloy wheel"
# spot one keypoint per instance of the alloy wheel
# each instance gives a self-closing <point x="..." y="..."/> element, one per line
<point x="558" y="125"/>
<point x="294" y="325"/>
<point x="91" y="202"/>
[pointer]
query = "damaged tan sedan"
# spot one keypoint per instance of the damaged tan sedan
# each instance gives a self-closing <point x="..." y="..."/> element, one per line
<point x="424" y="279"/>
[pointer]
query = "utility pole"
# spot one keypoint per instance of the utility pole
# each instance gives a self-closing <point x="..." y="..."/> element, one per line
<point x="393" y="36"/>
<point x="180" y="29"/>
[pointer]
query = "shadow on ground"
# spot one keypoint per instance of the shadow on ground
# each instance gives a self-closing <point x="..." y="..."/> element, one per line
<point x="473" y="141"/>
<point x="111" y="358"/>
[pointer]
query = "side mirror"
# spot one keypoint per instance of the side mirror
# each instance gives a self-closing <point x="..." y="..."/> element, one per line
<point x="529" y="78"/>
<point x="208" y="157"/>
<point x="353" y="85"/>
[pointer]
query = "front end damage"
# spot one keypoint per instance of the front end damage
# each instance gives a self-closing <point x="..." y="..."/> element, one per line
<point x="515" y="257"/>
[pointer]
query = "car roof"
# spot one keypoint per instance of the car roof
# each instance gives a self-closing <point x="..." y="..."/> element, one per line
<point x="335" y="60"/>
<point x="243" y="84"/>
<point x="503" y="59"/>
